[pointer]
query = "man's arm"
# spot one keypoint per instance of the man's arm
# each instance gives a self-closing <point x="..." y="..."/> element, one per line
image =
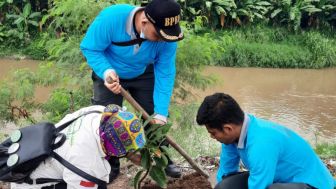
<point x="97" y="39"/>
<point x="164" y="69"/>
<point x="263" y="158"/>
<point x="229" y="161"/>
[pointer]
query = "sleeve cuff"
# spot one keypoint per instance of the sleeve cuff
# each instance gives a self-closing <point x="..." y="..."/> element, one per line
<point x="160" y="117"/>
<point x="107" y="72"/>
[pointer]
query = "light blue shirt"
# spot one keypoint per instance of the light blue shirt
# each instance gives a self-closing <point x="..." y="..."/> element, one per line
<point x="115" y="24"/>
<point x="273" y="154"/>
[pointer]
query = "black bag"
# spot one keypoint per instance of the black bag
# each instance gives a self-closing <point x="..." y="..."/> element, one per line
<point x="35" y="144"/>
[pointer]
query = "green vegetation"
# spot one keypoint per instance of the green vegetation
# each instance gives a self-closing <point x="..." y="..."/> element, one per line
<point x="194" y="139"/>
<point x="292" y="14"/>
<point x="326" y="150"/>
<point x="263" y="46"/>
<point x="238" y="33"/>
<point x="154" y="159"/>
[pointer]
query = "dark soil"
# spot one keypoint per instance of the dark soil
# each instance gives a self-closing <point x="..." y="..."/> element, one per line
<point x="190" y="181"/>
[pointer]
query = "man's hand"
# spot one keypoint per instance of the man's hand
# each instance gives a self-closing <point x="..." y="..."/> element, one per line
<point x="159" y="122"/>
<point x="112" y="82"/>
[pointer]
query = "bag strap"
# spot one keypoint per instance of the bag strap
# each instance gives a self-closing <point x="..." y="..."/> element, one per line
<point x="42" y="180"/>
<point x="79" y="172"/>
<point x="130" y="42"/>
<point x="66" y="124"/>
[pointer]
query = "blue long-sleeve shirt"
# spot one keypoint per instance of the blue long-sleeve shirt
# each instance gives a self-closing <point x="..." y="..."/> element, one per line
<point x="115" y="24"/>
<point x="274" y="154"/>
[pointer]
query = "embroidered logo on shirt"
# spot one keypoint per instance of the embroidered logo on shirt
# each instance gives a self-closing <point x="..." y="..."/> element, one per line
<point x="87" y="184"/>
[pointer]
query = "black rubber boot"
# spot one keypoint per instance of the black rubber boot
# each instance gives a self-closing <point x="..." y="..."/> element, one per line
<point x="172" y="170"/>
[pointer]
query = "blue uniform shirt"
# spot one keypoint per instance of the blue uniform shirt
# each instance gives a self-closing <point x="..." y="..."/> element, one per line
<point x="115" y="24"/>
<point x="273" y="154"/>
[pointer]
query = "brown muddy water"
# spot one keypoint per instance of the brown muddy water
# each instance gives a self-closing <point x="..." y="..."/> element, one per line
<point x="302" y="99"/>
<point x="8" y="66"/>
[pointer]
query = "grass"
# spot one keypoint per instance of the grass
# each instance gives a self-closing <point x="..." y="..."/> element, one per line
<point x="247" y="54"/>
<point x="326" y="150"/>
<point x="276" y="47"/>
<point x="194" y="139"/>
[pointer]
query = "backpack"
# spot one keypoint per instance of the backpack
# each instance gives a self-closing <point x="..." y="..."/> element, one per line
<point x="23" y="152"/>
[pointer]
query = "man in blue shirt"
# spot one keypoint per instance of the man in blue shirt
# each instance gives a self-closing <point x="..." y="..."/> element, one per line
<point x="136" y="48"/>
<point x="276" y="157"/>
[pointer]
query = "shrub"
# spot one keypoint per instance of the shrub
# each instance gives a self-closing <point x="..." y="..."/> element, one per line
<point x="246" y="54"/>
<point x="322" y="48"/>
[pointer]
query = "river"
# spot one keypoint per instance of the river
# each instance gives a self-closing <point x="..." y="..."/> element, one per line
<point x="301" y="99"/>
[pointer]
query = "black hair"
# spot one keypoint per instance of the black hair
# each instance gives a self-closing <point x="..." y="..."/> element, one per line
<point x="219" y="109"/>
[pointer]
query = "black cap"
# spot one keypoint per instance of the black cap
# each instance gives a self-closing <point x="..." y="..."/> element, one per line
<point x="165" y="16"/>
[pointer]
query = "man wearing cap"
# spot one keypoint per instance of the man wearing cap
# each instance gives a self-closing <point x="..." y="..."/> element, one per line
<point x="90" y="141"/>
<point x="131" y="45"/>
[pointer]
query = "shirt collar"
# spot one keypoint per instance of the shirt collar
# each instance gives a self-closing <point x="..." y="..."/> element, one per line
<point x="129" y="23"/>
<point x="130" y="29"/>
<point x="243" y="132"/>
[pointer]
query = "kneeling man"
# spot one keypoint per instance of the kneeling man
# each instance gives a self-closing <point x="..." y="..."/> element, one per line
<point x="276" y="157"/>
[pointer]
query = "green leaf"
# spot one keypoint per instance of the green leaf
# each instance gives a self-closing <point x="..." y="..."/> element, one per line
<point x="259" y="15"/>
<point x="34" y="23"/>
<point x="275" y="12"/>
<point x="243" y="12"/>
<point x="137" y="178"/>
<point x="13" y="16"/>
<point x="150" y="118"/>
<point x="35" y="14"/>
<point x="156" y="137"/>
<point x="164" y="129"/>
<point x="313" y="10"/>
<point x="192" y="10"/>
<point x="292" y="15"/>
<point x="225" y="3"/>
<point x="160" y="162"/>
<point x="145" y="158"/>
<point x="265" y="3"/>
<point x="164" y="158"/>
<point x="165" y="150"/>
<point x="159" y="176"/>
<point x="44" y="19"/>
<point x="10" y="1"/>
<point x="26" y="10"/>
<point x="151" y="130"/>
<point x="220" y="10"/>
<point x="234" y="15"/>
<point x="18" y="21"/>
<point x="208" y="5"/>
